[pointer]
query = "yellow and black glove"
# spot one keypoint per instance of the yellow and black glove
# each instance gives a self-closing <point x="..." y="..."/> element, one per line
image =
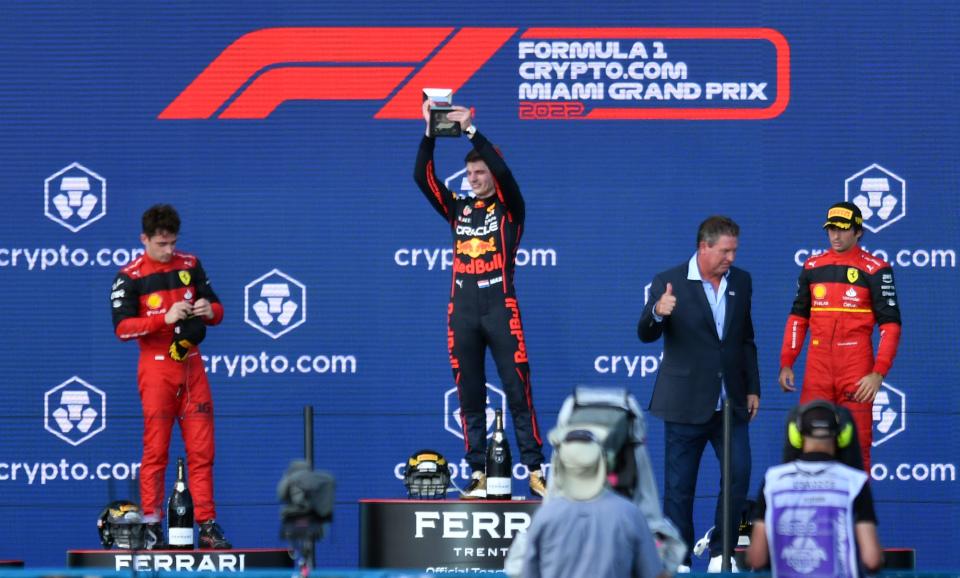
<point x="187" y="334"/>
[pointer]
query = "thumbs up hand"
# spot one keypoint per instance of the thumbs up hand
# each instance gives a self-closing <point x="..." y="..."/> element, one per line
<point x="666" y="303"/>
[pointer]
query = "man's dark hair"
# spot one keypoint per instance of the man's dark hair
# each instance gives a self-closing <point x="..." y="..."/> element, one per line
<point x="160" y="218"/>
<point x="472" y="156"/>
<point x="715" y="227"/>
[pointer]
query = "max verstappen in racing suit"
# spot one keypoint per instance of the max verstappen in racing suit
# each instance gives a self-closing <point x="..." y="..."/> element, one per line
<point x="162" y="291"/>
<point x="483" y="310"/>
<point x="841" y="294"/>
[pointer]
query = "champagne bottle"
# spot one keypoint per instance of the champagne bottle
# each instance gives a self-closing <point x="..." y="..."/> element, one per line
<point x="180" y="513"/>
<point x="499" y="464"/>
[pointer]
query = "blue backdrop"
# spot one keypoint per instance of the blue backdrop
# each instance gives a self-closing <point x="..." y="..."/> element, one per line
<point x="285" y="133"/>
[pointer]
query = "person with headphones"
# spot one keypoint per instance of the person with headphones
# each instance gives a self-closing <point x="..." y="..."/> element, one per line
<point x="814" y="515"/>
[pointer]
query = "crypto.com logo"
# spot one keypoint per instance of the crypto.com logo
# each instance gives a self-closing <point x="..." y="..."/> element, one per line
<point x="458" y="184"/>
<point x="265" y="68"/>
<point x="451" y="409"/>
<point x="889" y="414"/>
<point x="75" y="411"/>
<point x="879" y="194"/>
<point x="275" y="303"/>
<point x="74" y="196"/>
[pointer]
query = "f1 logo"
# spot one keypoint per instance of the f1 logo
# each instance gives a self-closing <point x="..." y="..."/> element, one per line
<point x="265" y="68"/>
<point x="273" y="58"/>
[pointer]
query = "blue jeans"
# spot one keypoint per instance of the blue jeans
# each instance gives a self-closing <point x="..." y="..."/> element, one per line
<point x="684" y="448"/>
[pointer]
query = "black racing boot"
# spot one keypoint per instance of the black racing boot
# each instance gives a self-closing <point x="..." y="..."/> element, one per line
<point x="212" y="538"/>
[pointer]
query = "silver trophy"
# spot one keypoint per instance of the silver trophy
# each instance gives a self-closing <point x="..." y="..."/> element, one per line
<point x="439" y="124"/>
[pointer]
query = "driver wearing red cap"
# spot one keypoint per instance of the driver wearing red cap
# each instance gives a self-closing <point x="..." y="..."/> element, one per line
<point x="841" y="295"/>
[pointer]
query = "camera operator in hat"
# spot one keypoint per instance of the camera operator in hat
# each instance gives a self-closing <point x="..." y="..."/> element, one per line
<point x="587" y="529"/>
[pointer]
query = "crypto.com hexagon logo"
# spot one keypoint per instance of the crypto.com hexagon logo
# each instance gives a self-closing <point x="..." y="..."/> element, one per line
<point x="75" y="196"/>
<point x="451" y="409"/>
<point x="275" y="303"/>
<point x="458" y="184"/>
<point x="889" y="413"/>
<point x="880" y="195"/>
<point x="75" y="411"/>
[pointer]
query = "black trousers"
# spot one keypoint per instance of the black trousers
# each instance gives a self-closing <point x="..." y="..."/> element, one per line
<point x="478" y="319"/>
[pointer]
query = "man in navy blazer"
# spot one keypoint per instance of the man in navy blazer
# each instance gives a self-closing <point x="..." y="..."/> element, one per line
<point x="702" y="310"/>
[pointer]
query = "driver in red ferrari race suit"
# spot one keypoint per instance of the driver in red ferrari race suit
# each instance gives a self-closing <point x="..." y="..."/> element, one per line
<point x="483" y="310"/>
<point x="164" y="300"/>
<point x="841" y="295"/>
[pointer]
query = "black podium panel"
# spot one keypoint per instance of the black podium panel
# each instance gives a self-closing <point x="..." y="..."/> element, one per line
<point x="180" y="560"/>
<point x="440" y="535"/>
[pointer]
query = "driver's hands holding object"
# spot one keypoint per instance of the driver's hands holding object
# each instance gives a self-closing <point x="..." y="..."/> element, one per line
<point x="460" y="114"/>
<point x="178" y="312"/>
<point x="203" y="308"/>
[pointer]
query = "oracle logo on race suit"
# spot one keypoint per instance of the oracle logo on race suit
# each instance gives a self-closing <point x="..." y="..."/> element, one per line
<point x="451" y="409"/>
<point x="275" y="303"/>
<point x="880" y="195"/>
<point x="74" y="411"/>
<point x="889" y="414"/>
<point x="577" y="72"/>
<point x="75" y="197"/>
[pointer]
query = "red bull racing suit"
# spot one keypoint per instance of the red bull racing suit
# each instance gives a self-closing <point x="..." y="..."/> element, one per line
<point x="170" y="391"/>
<point x="840" y="296"/>
<point x="483" y="310"/>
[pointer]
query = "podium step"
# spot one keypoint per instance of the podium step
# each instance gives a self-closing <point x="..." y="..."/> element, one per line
<point x="235" y="560"/>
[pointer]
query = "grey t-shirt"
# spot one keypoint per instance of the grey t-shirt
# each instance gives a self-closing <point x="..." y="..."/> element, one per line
<point x="606" y="537"/>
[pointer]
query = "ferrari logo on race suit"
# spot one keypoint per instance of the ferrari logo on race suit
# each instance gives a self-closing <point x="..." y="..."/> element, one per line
<point x="184" y="277"/>
<point x="853" y="275"/>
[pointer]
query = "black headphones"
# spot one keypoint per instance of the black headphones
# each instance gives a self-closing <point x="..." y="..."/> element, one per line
<point x="794" y="428"/>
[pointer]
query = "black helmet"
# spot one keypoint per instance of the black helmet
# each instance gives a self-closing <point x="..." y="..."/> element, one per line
<point x="426" y="475"/>
<point x="121" y="524"/>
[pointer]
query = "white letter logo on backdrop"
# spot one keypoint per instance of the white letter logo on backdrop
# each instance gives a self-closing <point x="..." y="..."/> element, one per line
<point x="451" y="409"/>
<point x="275" y="303"/>
<point x="75" y="196"/>
<point x="889" y="413"/>
<point x="75" y="411"/>
<point x="464" y="189"/>
<point x="880" y="195"/>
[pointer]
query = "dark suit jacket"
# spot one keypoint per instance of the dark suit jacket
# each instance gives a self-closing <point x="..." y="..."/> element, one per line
<point x="694" y="358"/>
